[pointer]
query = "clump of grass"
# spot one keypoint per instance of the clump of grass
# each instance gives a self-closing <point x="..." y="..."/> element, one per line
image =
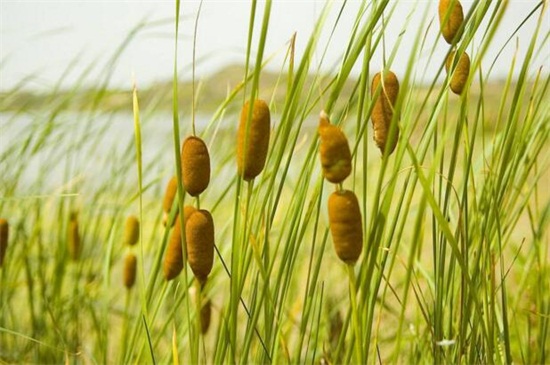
<point x="195" y="165"/>
<point x="450" y="19"/>
<point x="131" y="230"/>
<point x="173" y="259"/>
<point x="253" y="139"/>
<point x="199" y="236"/>
<point x="130" y="267"/>
<point x="4" y="236"/>
<point x="334" y="151"/>
<point x="345" y="225"/>
<point x="168" y="200"/>
<point x="460" y="72"/>
<point x="383" y="110"/>
<point x="443" y="275"/>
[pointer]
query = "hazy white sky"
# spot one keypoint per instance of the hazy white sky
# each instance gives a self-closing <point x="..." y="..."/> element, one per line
<point x="41" y="38"/>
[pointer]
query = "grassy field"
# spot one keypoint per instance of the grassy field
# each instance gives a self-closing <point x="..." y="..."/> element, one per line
<point x="455" y="257"/>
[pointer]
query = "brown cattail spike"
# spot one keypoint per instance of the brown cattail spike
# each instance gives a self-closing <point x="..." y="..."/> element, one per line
<point x="173" y="259"/>
<point x="382" y="112"/>
<point x="253" y="140"/>
<point x="130" y="266"/>
<point x="334" y="151"/>
<point x="450" y="19"/>
<point x="73" y="237"/>
<point x="169" y="196"/>
<point x="199" y="235"/>
<point x="131" y="230"/>
<point x="345" y="225"/>
<point x="195" y="165"/>
<point x="4" y="230"/>
<point x="460" y="73"/>
<point x="205" y="315"/>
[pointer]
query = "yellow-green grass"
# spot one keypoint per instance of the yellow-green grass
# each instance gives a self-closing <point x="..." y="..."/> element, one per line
<point x="454" y="264"/>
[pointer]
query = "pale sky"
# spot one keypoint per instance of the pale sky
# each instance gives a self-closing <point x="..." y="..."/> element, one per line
<point x="41" y="38"/>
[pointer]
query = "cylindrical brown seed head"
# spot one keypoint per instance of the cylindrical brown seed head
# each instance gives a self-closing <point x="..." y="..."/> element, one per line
<point x="131" y="230"/>
<point x="195" y="165"/>
<point x="173" y="259"/>
<point x="334" y="151"/>
<point x="383" y="110"/>
<point x="73" y="238"/>
<point x="461" y="72"/>
<point x="206" y="313"/>
<point x="169" y="196"/>
<point x="450" y="19"/>
<point x="199" y="235"/>
<point x="252" y="146"/>
<point x="130" y="266"/>
<point x="4" y="230"/>
<point x="345" y="225"/>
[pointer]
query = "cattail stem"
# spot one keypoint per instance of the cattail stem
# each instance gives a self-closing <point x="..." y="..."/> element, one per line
<point x="198" y="307"/>
<point x="237" y="268"/>
<point x="358" y="345"/>
<point x="125" y="324"/>
<point x="75" y="268"/>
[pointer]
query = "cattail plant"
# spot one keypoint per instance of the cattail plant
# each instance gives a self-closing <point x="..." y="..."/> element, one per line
<point x="253" y="139"/>
<point x="4" y="230"/>
<point x="131" y="230"/>
<point x="450" y="19"/>
<point x="347" y="236"/>
<point x="345" y="225"/>
<point x="199" y="236"/>
<point x="195" y="165"/>
<point x="173" y="259"/>
<point x="169" y="196"/>
<point x="459" y="73"/>
<point x="205" y="316"/>
<point x="130" y="266"/>
<point x="73" y="237"/>
<point x="334" y="151"/>
<point x="383" y="110"/>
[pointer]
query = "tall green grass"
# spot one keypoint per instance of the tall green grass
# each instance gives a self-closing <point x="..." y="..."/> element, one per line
<point x="455" y="265"/>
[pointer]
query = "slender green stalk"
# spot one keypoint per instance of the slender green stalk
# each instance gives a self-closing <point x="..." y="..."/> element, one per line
<point x="456" y="220"/>
<point x="358" y="343"/>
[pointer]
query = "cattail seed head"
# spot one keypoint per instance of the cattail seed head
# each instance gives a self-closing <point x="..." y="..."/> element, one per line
<point x="169" y="196"/>
<point x="195" y="165"/>
<point x="199" y="236"/>
<point x="450" y="19"/>
<point x="4" y="235"/>
<point x="131" y="230"/>
<point x="382" y="112"/>
<point x="73" y="238"/>
<point x="334" y="151"/>
<point x="345" y="225"/>
<point x="253" y="140"/>
<point x="460" y="73"/>
<point x="173" y="259"/>
<point x="130" y="266"/>
<point x="205" y="315"/>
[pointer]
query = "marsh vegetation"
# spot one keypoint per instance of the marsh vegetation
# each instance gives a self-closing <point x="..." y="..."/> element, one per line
<point x="453" y="263"/>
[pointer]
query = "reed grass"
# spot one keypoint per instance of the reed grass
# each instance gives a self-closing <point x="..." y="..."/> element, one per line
<point x="453" y="261"/>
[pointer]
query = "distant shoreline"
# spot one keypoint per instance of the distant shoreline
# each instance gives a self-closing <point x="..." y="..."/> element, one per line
<point x="211" y="92"/>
